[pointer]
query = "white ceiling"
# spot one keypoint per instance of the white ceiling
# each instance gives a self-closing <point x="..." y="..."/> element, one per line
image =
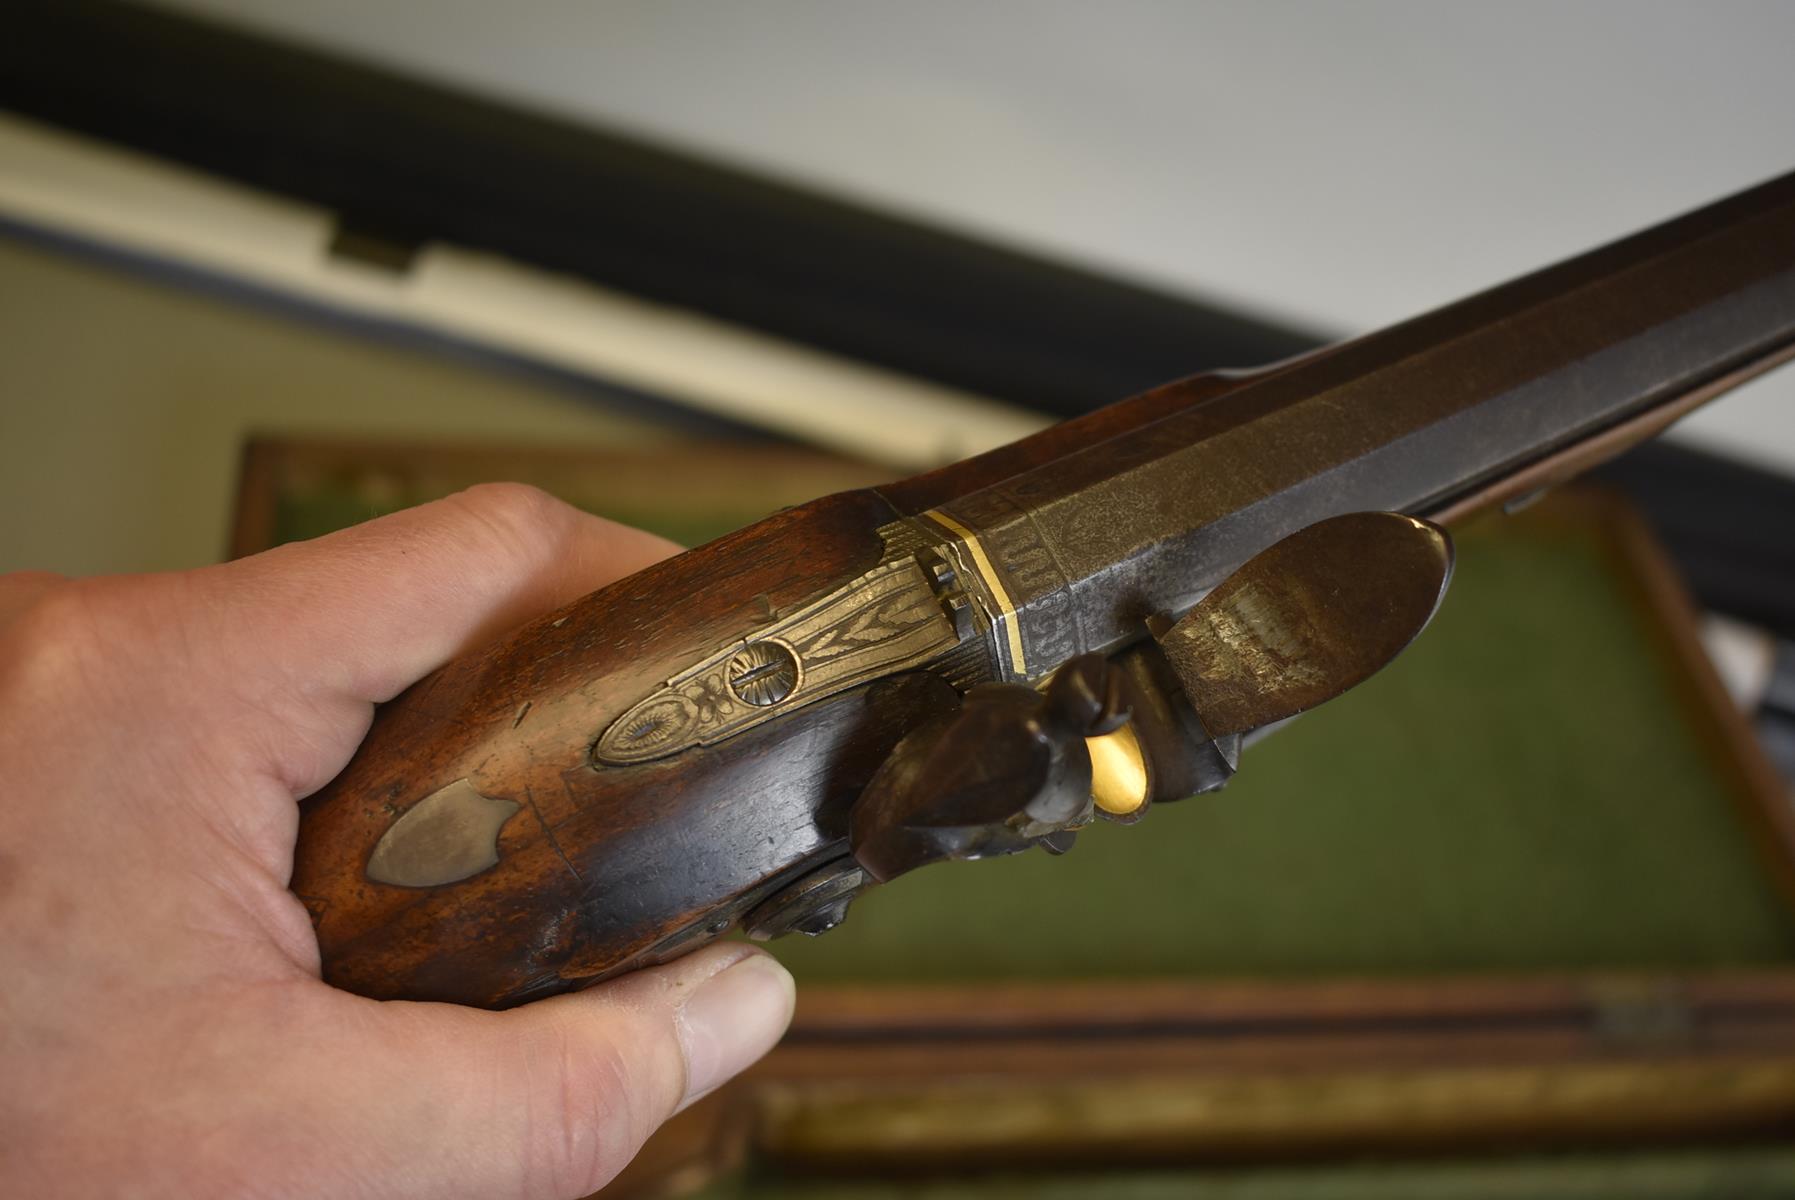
<point x="1342" y="165"/>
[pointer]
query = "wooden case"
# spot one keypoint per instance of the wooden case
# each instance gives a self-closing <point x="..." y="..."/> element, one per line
<point x="1532" y="888"/>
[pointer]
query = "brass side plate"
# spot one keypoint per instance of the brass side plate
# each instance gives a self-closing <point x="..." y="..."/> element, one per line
<point x="885" y="621"/>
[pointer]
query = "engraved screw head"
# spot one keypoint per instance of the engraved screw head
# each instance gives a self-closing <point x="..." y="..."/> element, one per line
<point x="763" y="673"/>
<point x="815" y="903"/>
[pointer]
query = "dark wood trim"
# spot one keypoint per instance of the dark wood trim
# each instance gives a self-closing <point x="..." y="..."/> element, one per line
<point x="259" y="470"/>
<point x="1725" y="732"/>
<point x="1194" y="1073"/>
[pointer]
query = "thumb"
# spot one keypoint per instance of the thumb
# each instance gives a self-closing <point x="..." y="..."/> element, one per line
<point x="554" y="1098"/>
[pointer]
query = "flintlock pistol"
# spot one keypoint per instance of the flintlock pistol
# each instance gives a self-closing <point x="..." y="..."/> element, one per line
<point x="984" y="658"/>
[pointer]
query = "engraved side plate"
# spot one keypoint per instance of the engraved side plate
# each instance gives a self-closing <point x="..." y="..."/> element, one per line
<point x="887" y="620"/>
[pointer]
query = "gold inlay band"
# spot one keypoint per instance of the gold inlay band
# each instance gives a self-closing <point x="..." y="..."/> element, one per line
<point x="1006" y="609"/>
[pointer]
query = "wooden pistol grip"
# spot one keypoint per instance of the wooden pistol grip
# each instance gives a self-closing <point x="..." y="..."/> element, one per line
<point x="598" y="867"/>
<point x="546" y="868"/>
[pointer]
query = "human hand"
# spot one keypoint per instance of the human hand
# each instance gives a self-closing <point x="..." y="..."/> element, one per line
<point x="163" y="1030"/>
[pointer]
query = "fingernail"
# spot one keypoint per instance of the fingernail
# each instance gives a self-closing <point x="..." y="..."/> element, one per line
<point x="733" y="1018"/>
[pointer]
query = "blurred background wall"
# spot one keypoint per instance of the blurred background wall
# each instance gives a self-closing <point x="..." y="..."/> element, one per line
<point x="127" y="402"/>
<point x="1332" y="167"/>
<point x="1339" y="165"/>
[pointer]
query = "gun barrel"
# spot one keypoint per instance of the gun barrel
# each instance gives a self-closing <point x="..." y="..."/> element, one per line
<point x="1460" y="407"/>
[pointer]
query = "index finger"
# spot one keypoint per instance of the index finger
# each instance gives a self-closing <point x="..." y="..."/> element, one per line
<point x="368" y="610"/>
